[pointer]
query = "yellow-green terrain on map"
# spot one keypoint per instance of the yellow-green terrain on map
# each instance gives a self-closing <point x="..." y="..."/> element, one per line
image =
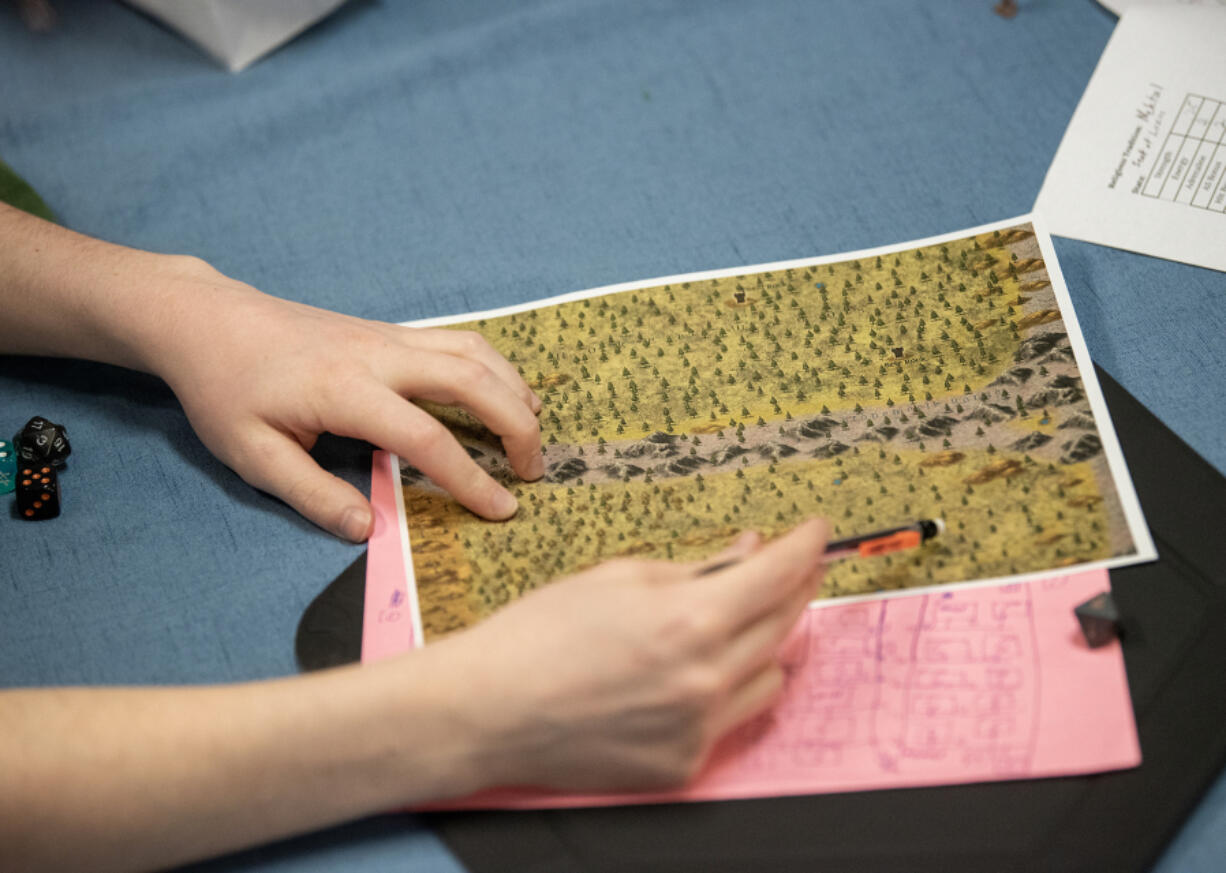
<point x="932" y="382"/>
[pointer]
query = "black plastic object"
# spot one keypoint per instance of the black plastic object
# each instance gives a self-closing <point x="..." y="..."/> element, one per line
<point x="330" y="631"/>
<point x="1173" y="631"/>
<point x="42" y="442"/>
<point x="1099" y="619"/>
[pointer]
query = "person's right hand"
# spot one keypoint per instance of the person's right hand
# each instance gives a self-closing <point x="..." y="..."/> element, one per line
<point x="625" y="676"/>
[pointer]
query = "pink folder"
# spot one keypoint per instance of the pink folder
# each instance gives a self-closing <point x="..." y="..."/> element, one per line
<point x="939" y="687"/>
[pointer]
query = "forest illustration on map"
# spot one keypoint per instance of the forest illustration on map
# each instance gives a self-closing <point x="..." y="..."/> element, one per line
<point x="931" y="382"/>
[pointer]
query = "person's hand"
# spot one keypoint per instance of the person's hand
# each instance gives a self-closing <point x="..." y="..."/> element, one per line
<point x="261" y="378"/>
<point x="625" y="676"/>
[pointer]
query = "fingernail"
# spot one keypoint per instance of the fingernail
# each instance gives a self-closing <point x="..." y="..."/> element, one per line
<point x="355" y="523"/>
<point x="505" y="504"/>
<point x="537" y="403"/>
<point x="536" y="467"/>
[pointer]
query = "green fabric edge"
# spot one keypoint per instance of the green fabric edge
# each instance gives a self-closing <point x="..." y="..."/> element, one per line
<point x="16" y="192"/>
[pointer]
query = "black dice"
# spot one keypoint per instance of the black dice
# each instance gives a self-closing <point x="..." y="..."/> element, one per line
<point x="42" y="443"/>
<point x="38" y="493"/>
<point x="1100" y="620"/>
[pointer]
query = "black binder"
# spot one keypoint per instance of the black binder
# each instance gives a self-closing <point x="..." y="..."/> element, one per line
<point x="1174" y="640"/>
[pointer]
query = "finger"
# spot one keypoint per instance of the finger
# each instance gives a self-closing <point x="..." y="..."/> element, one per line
<point x="470" y="344"/>
<point x="795" y="646"/>
<point x="445" y="378"/>
<point x="663" y="571"/>
<point x="739" y="549"/>
<point x="276" y="463"/>
<point x="762" y="642"/>
<point x="381" y="416"/>
<point x="761" y="583"/>
<point x="752" y="698"/>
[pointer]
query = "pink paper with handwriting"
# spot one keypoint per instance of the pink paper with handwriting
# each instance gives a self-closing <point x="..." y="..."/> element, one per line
<point x="944" y="687"/>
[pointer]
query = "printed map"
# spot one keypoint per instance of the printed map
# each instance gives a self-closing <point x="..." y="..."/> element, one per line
<point x="930" y="382"/>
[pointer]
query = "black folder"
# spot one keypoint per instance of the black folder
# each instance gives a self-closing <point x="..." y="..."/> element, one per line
<point x="1174" y="640"/>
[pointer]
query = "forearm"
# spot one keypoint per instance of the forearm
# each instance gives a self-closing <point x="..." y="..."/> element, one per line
<point x="137" y="779"/>
<point x="68" y="295"/>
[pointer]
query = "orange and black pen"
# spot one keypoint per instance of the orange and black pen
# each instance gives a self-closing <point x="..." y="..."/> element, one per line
<point x="883" y="542"/>
<point x="870" y="545"/>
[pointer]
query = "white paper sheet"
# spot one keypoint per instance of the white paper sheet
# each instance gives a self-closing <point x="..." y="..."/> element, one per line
<point x="1119" y="7"/>
<point x="1142" y="165"/>
<point x="238" y="32"/>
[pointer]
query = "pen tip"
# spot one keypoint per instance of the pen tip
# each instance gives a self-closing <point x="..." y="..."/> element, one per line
<point x="930" y="529"/>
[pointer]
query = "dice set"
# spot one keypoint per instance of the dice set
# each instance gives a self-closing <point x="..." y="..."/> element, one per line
<point x="42" y="442"/>
<point x="29" y="465"/>
<point x="38" y="493"/>
<point x="8" y="467"/>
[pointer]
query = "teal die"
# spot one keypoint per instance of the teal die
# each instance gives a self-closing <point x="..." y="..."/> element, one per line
<point x="8" y="467"/>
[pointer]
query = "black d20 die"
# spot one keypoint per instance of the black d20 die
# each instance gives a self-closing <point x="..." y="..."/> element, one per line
<point x="42" y="442"/>
<point x="38" y="493"/>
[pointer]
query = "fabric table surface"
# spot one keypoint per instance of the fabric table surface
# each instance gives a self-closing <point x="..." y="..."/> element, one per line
<point x="404" y="160"/>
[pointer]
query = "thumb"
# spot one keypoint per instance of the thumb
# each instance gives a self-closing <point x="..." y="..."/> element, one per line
<point x="277" y="464"/>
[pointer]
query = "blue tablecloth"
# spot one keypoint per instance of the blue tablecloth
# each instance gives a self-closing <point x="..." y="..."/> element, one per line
<point x="412" y="159"/>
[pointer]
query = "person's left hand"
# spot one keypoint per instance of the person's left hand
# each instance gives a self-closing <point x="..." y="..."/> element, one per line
<point x="260" y="378"/>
